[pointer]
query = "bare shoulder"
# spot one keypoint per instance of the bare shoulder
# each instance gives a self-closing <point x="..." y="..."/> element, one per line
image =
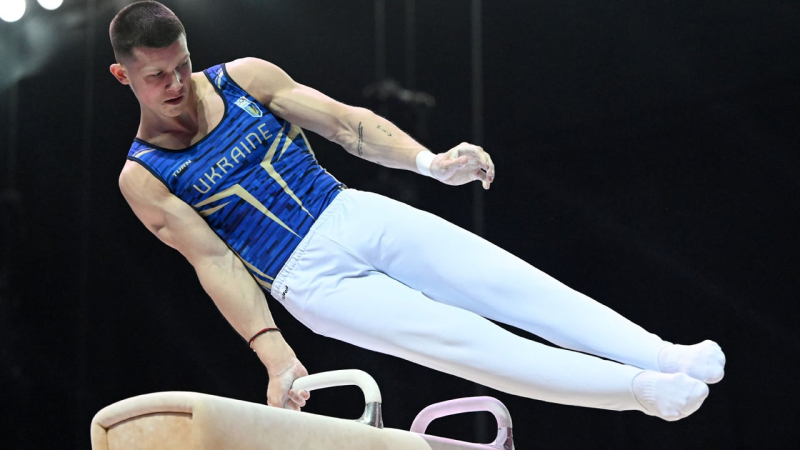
<point x="250" y="68"/>
<point x="139" y="186"/>
<point x="262" y="79"/>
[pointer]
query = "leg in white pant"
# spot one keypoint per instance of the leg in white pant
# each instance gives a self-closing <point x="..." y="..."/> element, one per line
<point x="371" y="310"/>
<point x="366" y="271"/>
<point x="456" y="267"/>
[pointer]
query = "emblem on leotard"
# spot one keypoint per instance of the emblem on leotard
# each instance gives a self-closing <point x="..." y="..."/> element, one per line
<point x="218" y="79"/>
<point x="249" y="106"/>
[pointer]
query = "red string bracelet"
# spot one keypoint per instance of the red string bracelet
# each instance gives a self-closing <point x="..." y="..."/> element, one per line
<point x="265" y="330"/>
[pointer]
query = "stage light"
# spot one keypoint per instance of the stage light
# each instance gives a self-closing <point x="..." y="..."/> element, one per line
<point x="12" y="10"/>
<point x="50" y="4"/>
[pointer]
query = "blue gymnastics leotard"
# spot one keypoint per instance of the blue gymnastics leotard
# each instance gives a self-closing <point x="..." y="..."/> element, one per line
<point x="253" y="178"/>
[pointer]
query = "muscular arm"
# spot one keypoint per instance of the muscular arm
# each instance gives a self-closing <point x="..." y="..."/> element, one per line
<point x="221" y="273"/>
<point x="360" y="131"/>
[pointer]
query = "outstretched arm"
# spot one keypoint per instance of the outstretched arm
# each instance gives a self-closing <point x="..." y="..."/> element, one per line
<point x="360" y="131"/>
<point x="221" y="273"/>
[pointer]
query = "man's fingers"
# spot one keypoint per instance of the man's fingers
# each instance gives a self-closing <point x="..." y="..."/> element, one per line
<point x="483" y="178"/>
<point x="483" y="157"/>
<point x="298" y="398"/>
<point x="487" y="166"/>
<point x="466" y="162"/>
<point x="291" y="405"/>
<point x="454" y="164"/>
<point x="476" y="154"/>
<point x="490" y="171"/>
<point x="292" y="400"/>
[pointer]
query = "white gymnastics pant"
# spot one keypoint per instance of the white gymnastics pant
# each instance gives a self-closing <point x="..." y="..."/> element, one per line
<point x="384" y="276"/>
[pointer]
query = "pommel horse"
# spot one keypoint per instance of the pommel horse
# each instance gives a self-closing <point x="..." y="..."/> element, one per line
<point x="193" y="421"/>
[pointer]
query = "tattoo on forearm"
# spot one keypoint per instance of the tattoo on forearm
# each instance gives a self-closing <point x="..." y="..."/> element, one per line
<point x="360" y="138"/>
<point x="385" y="131"/>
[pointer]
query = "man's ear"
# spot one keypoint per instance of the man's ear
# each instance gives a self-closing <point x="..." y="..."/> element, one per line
<point x="119" y="73"/>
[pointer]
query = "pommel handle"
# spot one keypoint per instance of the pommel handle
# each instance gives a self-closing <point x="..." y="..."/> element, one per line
<point x="372" y="395"/>
<point x="504" y="439"/>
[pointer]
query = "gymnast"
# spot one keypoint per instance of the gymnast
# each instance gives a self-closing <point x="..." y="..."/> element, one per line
<point x="221" y="171"/>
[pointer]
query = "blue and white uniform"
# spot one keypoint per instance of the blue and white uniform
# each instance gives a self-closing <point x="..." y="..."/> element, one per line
<point x="382" y="275"/>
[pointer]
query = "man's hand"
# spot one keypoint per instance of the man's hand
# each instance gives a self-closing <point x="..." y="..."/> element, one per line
<point x="279" y="392"/>
<point x="462" y="164"/>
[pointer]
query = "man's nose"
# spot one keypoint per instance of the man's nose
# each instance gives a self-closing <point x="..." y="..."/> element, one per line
<point x="175" y="82"/>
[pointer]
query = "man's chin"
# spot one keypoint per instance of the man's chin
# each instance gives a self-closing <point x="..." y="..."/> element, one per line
<point x="171" y="111"/>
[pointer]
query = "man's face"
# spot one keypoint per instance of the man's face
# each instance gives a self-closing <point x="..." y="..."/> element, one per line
<point x="159" y="77"/>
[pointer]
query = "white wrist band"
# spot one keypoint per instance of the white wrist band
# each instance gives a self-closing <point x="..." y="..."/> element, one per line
<point x="424" y="160"/>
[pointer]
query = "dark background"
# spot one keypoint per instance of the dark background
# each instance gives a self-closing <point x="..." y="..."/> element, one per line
<point x="646" y="152"/>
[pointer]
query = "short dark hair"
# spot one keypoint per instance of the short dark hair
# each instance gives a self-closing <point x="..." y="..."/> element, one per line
<point x="143" y="24"/>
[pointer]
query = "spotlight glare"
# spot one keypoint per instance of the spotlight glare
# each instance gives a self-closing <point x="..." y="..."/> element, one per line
<point x="50" y="4"/>
<point x="12" y="10"/>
